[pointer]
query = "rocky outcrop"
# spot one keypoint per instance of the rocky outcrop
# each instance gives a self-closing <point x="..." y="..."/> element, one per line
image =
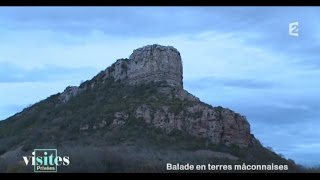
<point x="69" y="92"/>
<point x="149" y="63"/>
<point x="219" y="125"/>
<point x="120" y="118"/>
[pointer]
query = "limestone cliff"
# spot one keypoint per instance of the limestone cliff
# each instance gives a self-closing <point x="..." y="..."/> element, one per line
<point x="149" y="63"/>
<point x="156" y="63"/>
<point x="219" y="125"/>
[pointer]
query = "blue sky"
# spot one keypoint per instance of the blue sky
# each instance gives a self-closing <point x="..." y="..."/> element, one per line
<point x="237" y="57"/>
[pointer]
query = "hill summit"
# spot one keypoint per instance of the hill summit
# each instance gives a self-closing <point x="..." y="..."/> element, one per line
<point x="150" y="63"/>
<point x="134" y="116"/>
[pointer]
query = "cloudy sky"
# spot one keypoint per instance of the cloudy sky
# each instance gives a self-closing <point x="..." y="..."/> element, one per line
<point x="240" y="58"/>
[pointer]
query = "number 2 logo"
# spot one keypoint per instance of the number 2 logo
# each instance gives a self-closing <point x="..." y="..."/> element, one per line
<point x="294" y="29"/>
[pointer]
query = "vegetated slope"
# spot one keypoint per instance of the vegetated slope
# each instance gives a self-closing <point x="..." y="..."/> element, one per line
<point x="134" y="116"/>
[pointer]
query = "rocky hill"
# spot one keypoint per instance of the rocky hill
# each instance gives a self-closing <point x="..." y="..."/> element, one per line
<point x="134" y="112"/>
<point x="155" y="63"/>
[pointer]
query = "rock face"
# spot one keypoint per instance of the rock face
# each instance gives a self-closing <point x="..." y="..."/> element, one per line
<point x="163" y="63"/>
<point x="149" y="63"/>
<point x="219" y="125"/>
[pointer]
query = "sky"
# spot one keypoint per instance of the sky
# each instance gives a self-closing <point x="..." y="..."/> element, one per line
<point x="241" y="58"/>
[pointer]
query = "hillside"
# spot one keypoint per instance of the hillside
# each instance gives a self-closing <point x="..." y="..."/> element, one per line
<point x="133" y="116"/>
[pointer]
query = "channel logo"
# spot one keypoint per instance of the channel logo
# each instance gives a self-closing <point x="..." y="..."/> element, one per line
<point x="294" y="29"/>
<point x="46" y="160"/>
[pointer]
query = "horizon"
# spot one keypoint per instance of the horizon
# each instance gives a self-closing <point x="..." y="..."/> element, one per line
<point x="247" y="62"/>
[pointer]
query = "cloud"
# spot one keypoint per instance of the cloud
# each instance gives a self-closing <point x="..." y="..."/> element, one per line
<point x="297" y="140"/>
<point x="11" y="73"/>
<point x="240" y="58"/>
<point x="124" y="21"/>
<point x="21" y="94"/>
<point x="229" y="82"/>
